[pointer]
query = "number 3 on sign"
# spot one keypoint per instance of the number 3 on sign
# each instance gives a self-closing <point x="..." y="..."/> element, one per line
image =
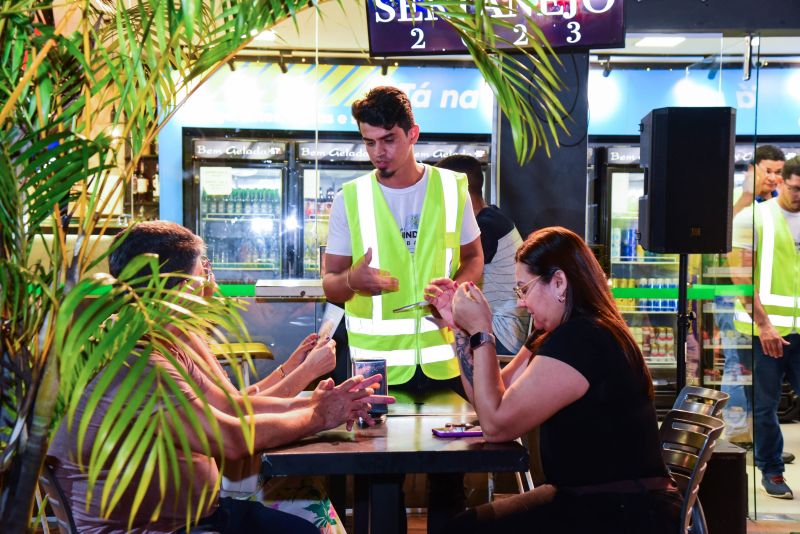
<point x="419" y="35"/>
<point x="574" y="32"/>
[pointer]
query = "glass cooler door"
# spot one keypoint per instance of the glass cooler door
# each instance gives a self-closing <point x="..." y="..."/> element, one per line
<point x="241" y="220"/>
<point x="633" y="270"/>
<point x="319" y="188"/>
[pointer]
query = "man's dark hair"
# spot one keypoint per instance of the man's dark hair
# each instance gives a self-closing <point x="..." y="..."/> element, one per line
<point x="385" y="107"/>
<point x="770" y="152"/>
<point x="469" y="166"/>
<point x="792" y="167"/>
<point x="177" y="248"/>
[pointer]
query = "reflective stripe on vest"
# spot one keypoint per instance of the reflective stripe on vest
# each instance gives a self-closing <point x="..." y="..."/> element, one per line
<point x="408" y="338"/>
<point x="776" y="266"/>
<point x="437" y="353"/>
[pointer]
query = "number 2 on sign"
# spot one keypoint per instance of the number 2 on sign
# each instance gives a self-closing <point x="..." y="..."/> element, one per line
<point x="419" y="35"/>
<point x="522" y="40"/>
<point x="574" y="32"/>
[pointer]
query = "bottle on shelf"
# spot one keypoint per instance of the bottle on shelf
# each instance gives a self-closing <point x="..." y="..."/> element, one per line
<point x="247" y="202"/>
<point x="616" y="243"/>
<point x="142" y="185"/>
<point x="156" y="184"/>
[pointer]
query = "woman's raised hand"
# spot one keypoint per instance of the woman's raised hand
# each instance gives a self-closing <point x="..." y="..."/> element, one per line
<point x="440" y="293"/>
<point x="471" y="310"/>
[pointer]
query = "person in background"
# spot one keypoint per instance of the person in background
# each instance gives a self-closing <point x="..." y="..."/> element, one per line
<point x="390" y="233"/>
<point x="580" y="365"/>
<point x="500" y="240"/>
<point x="760" y="184"/>
<point x="276" y="420"/>
<point x="774" y="255"/>
<point x="763" y="177"/>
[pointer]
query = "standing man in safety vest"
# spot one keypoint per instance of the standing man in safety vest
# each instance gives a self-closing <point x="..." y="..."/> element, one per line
<point x="404" y="224"/>
<point x="774" y="252"/>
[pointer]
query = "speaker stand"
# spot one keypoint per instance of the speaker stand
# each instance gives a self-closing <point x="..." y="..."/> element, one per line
<point x="684" y="321"/>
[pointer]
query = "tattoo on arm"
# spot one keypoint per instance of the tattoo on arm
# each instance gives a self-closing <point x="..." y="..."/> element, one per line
<point x="464" y="353"/>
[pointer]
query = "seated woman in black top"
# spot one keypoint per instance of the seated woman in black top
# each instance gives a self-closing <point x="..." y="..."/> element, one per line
<point x="582" y="379"/>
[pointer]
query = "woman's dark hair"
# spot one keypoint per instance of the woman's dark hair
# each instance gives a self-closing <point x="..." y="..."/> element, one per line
<point x="385" y="107"/>
<point x="176" y="247"/>
<point x="555" y="248"/>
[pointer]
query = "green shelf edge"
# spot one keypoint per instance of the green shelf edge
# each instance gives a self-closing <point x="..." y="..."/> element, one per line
<point x="227" y="290"/>
<point x="695" y="292"/>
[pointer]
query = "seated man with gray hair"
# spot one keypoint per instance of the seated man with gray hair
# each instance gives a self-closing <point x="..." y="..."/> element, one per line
<point x="200" y="391"/>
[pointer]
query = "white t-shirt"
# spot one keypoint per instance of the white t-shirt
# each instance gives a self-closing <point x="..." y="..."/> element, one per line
<point x="406" y="206"/>
<point x="743" y="228"/>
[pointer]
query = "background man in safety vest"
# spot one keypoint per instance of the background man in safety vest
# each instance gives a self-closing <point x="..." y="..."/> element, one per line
<point x="760" y="184"/>
<point x="405" y="224"/>
<point x="774" y="254"/>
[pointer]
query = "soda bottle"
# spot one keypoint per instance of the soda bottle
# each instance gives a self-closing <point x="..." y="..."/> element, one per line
<point x="616" y="243"/>
<point x="631" y="250"/>
<point x="644" y="303"/>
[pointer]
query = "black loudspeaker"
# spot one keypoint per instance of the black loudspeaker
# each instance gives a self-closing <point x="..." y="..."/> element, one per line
<point x="687" y="154"/>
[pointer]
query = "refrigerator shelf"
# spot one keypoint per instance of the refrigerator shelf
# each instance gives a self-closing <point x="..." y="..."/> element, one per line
<point x="655" y="260"/>
<point x="727" y="272"/>
<point x="235" y="216"/>
<point x="724" y="382"/>
<point x="710" y="307"/>
<point x="710" y="346"/>
<point x="644" y="312"/>
<point x="245" y="267"/>
<point x="660" y="365"/>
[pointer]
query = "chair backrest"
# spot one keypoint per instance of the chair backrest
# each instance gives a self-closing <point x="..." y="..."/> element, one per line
<point x="701" y="400"/>
<point x="687" y="441"/>
<point x="56" y="497"/>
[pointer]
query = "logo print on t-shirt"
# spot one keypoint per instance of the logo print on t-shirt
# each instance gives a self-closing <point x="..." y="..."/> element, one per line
<point x="409" y="231"/>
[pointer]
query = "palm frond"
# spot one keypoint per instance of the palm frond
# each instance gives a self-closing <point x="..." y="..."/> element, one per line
<point x="127" y="67"/>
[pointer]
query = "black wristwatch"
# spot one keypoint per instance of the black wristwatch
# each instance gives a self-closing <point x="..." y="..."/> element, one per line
<point x="479" y="339"/>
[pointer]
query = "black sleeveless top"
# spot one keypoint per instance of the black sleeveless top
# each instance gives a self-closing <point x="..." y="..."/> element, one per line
<point x="609" y="434"/>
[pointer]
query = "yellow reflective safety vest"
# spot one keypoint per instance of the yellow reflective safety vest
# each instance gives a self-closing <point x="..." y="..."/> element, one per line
<point x="404" y="340"/>
<point x="776" y="273"/>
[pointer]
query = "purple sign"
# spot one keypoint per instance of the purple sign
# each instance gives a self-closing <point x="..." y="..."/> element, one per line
<point x="403" y="27"/>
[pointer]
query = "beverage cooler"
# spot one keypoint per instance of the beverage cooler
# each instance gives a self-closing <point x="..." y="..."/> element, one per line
<point x="717" y="356"/>
<point x="236" y="201"/>
<point x="615" y="184"/>
<point x="261" y="200"/>
<point x="323" y="167"/>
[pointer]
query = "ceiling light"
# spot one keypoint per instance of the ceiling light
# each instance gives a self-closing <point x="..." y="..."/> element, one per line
<point x="665" y="41"/>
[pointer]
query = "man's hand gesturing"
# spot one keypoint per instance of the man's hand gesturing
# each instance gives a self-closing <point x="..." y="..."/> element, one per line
<point x="368" y="281"/>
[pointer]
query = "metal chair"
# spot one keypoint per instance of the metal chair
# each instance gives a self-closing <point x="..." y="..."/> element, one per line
<point x="238" y="350"/>
<point x="56" y="497"/>
<point x="687" y="441"/>
<point x="701" y="400"/>
<point x="704" y="401"/>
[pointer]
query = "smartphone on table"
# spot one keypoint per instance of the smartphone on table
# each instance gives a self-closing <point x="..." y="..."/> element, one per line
<point x="457" y="430"/>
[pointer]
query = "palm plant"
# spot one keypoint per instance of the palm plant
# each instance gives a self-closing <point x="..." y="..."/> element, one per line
<point x="74" y="80"/>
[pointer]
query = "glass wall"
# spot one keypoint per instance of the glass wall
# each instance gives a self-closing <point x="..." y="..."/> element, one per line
<point x="720" y="346"/>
